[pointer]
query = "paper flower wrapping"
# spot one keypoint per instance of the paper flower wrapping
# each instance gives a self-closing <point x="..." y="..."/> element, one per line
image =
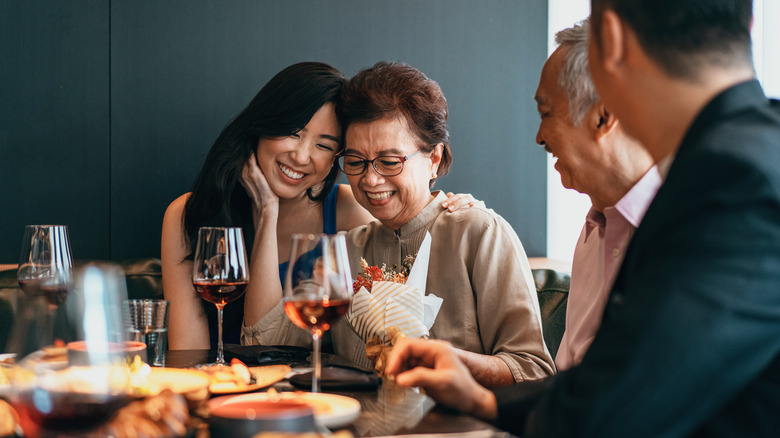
<point x="393" y="308"/>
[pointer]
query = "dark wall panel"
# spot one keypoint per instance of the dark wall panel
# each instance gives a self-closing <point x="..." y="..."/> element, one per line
<point x="54" y="122"/>
<point x="108" y="108"/>
<point x="178" y="74"/>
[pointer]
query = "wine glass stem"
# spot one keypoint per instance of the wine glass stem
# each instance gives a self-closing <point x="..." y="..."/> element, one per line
<point x="315" y="378"/>
<point x="220" y="355"/>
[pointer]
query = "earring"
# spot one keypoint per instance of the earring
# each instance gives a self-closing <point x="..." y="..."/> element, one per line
<point x="434" y="175"/>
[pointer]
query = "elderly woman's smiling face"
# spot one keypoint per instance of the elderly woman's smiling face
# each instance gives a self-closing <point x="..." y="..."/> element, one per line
<point x="394" y="200"/>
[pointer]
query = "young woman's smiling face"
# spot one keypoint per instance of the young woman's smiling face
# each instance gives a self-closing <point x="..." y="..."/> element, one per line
<point x="295" y="163"/>
<point x="394" y="200"/>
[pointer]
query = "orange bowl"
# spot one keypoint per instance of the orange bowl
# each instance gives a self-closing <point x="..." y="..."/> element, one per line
<point x="229" y="416"/>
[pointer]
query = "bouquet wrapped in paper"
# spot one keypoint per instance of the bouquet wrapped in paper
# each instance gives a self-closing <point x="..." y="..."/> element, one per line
<point x="392" y="304"/>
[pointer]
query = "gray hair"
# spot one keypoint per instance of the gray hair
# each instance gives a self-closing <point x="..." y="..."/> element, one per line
<point x="575" y="76"/>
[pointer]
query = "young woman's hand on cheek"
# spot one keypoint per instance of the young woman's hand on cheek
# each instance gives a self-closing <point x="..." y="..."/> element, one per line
<point x="256" y="185"/>
<point x="461" y="200"/>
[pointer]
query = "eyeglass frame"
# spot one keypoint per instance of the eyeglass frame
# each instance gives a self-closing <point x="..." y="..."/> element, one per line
<point x="373" y="163"/>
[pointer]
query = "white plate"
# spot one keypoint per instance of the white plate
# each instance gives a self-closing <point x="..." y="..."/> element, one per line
<point x="330" y="410"/>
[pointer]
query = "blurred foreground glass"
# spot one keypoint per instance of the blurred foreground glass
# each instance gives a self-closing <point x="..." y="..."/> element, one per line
<point x="45" y="262"/>
<point x="317" y="287"/>
<point x="219" y="271"/>
<point x="81" y="378"/>
<point x="147" y="321"/>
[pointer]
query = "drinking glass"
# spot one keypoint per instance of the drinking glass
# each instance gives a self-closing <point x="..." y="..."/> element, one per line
<point x="146" y="321"/>
<point x="317" y="289"/>
<point x="219" y="271"/>
<point x="66" y="390"/>
<point x="46" y="262"/>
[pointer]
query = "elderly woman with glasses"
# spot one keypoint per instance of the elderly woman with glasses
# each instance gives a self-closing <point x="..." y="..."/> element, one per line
<point x="396" y="145"/>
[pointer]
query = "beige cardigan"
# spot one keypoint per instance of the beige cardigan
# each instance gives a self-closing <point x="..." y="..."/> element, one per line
<point x="478" y="267"/>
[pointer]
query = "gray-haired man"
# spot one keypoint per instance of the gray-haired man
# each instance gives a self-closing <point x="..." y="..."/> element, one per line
<point x="595" y="157"/>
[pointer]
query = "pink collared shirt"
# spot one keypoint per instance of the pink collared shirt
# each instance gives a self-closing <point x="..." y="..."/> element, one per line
<point x="597" y="258"/>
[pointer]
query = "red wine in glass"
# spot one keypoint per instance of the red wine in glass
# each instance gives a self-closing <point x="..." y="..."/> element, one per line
<point x="315" y="314"/>
<point x="45" y="262"/>
<point x="55" y="294"/>
<point x="219" y="271"/>
<point x="51" y="398"/>
<point x="317" y="288"/>
<point x="68" y="411"/>
<point x="220" y="292"/>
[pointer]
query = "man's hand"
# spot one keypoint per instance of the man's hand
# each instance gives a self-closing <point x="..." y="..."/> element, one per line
<point x="257" y="187"/>
<point x="434" y="366"/>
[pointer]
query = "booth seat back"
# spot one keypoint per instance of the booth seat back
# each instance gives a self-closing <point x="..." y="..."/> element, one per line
<point x="143" y="277"/>
<point x="552" y="288"/>
<point x="144" y="280"/>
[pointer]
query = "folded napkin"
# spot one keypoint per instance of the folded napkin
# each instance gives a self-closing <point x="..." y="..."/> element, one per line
<point x="253" y="355"/>
<point x="339" y="377"/>
<point x="405" y="307"/>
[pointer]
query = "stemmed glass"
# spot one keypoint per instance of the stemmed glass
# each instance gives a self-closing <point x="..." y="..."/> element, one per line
<point x="317" y="288"/>
<point x="219" y="271"/>
<point x="54" y="395"/>
<point x="45" y="263"/>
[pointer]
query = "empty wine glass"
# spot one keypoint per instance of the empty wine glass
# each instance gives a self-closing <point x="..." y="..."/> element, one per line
<point x="46" y="262"/>
<point x="317" y="288"/>
<point x="219" y="271"/>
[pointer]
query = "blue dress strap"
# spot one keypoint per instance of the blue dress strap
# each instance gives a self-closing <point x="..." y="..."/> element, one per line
<point x="328" y="222"/>
<point x="329" y="211"/>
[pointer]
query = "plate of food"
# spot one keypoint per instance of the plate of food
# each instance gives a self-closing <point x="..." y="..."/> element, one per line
<point x="330" y="410"/>
<point x="5" y="379"/>
<point x="51" y="357"/>
<point x="180" y="381"/>
<point x="7" y="358"/>
<point x="238" y="378"/>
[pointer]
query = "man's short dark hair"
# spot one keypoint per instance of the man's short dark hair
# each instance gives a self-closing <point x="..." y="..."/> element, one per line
<point x="683" y="35"/>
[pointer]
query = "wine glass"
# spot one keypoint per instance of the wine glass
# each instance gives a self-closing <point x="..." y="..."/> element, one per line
<point x="219" y="272"/>
<point x="65" y="390"/>
<point x="46" y="262"/>
<point x="317" y="289"/>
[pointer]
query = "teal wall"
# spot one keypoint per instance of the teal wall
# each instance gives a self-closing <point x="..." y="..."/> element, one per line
<point x="107" y="108"/>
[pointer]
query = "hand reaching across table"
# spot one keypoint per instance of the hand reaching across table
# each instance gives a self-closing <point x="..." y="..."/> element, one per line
<point x="434" y="366"/>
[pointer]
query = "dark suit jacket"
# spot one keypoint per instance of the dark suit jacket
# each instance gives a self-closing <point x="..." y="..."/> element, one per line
<point x="690" y="338"/>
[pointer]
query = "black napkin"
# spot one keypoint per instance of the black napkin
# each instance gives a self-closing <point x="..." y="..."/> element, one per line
<point x="253" y="355"/>
<point x="339" y="377"/>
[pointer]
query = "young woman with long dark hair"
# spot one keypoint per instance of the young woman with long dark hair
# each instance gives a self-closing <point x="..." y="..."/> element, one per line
<point x="272" y="172"/>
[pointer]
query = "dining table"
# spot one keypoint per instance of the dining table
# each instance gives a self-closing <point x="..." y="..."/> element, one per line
<point x="385" y="410"/>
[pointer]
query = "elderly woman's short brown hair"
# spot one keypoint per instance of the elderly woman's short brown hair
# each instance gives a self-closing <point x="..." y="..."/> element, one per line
<point x="391" y="89"/>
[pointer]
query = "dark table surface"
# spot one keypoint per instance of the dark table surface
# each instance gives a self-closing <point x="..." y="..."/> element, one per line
<point x="386" y="410"/>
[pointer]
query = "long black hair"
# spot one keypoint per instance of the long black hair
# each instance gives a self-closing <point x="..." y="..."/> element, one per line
<point x="282" y="107"/>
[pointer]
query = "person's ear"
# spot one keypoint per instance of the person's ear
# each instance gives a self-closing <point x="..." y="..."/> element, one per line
<point x="613" y="41"/>
<point x="436" y="155"/>
<point x="604" y="120"/>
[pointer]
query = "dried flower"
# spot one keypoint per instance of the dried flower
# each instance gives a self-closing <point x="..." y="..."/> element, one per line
<point x="371" y="274"/>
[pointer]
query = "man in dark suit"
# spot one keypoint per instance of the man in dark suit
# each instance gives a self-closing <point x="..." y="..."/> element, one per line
<point x="690" y="339"/>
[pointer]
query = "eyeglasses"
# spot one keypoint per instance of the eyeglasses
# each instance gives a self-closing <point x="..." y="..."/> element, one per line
<point x="385" y="165"/>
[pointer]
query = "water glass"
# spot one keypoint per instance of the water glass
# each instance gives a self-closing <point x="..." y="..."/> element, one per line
<point x="147" y="321"/>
